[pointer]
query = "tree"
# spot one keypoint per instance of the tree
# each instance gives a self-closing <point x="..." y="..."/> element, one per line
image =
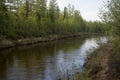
<point x="79" y="21"/>
<point x="40" y="9"/>
<point x="32" y="18"/>
<point x="70" y="10"/>
<point x="52" y="9"/>
<point x="111" y="15"/>
<point x="3" y="17"/>
<point x="65" y="13"/>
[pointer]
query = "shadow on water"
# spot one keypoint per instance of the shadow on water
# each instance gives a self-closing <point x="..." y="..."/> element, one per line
<point x="42" y="61"/>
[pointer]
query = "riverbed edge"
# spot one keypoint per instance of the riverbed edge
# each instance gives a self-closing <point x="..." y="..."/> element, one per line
<point x="104" y="63"/>
<point x="9" y="43"/>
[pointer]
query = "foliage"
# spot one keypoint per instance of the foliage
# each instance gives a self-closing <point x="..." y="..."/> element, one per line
<point x="95" y="27"/>
<point x="3" y="18"/>
<point x="111" y="16"/>
<point x="33" y="18"/>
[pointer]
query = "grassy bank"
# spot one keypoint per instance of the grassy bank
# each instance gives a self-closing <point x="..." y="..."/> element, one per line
<point x="104" y="63"/>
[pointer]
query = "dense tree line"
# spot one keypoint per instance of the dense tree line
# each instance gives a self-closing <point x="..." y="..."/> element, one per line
<point x="34" y="18"/>
<point x="95" y="27"/>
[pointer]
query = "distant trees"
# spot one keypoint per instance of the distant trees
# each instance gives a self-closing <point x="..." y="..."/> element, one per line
<point x="95" y="27"/>
<point x="52" y="10"/>
<point x="33" y="18"/>
<point x="65" y="13"/>
<point x="40" y="9"/>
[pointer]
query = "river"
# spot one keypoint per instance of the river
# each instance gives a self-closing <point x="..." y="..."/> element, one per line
<point x="46" y="61"/>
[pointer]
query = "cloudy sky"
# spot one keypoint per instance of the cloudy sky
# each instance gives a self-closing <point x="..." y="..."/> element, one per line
<point x="89" y="8"/>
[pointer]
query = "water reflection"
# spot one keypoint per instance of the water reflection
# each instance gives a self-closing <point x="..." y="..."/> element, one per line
<point x="41" y="62"/>
<point x="2" y="67"/>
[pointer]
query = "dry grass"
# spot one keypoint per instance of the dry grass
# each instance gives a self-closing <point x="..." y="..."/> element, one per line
<point x="104" y="63"/>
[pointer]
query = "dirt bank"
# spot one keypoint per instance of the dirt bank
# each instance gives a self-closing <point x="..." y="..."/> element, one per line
<point x="7" y="43"/>
<point x="104" y="63"/>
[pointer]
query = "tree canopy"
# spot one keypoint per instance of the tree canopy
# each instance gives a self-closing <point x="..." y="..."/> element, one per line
<point x="111" y="16"/>
<point x="34" y="18"/>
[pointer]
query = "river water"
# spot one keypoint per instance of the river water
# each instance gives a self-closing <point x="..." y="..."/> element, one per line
<point x="46" y="61"/>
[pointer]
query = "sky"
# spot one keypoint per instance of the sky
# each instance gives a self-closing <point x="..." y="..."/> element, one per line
<point x="88" y="8"/>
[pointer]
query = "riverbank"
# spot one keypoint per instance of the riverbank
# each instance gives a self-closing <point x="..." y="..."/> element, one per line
<point x="104" y="63"/>
<point x="8" y="43"/>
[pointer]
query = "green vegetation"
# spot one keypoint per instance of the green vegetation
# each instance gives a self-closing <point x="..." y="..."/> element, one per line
<point x="110" y="15"/>
<point x="115" y="63"/>
<point x="95" y="27"/>
<point x="34" y="18"/>
<point x="104" y="63"/>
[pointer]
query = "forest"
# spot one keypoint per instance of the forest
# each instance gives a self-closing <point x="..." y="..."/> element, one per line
<point x="27" y="22"/>
<point x="39" y="18"/>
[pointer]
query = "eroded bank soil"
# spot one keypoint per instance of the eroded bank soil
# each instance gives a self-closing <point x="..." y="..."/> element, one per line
<point x="104" y="63"/>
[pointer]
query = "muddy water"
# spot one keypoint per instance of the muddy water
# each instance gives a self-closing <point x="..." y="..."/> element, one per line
<point x="45" y="61"/>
